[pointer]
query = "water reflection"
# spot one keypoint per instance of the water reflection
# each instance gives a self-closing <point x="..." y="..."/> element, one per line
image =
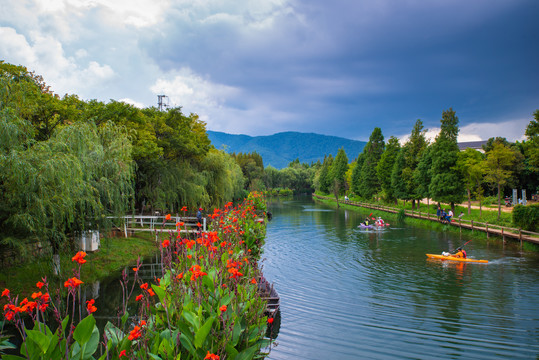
<point x="349" y="293"/>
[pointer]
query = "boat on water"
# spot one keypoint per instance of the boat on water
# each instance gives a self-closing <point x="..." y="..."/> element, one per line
<point x="372" y="226"/>
<point x="453" y="258"/>
<point x="270" y="295"/>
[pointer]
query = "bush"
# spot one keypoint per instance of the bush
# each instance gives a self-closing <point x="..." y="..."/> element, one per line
<point x="526" y="217"/>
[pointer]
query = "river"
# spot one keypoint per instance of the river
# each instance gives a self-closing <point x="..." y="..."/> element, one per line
<point x="348" y="293"/>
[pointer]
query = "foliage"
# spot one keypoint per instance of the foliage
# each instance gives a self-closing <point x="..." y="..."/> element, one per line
<point x="205" y="305"/>
<point x="446" y="183"/>
<point x="532" y="133"/>
<point x="385" y="167"/>
<point x="498" y="165"/>
<point x="325" y="179"/>
<point x="368" y="180"/>
<point x="338" y="171"/>
<point x="526" y="217"/>
<point x="472" y="168"/>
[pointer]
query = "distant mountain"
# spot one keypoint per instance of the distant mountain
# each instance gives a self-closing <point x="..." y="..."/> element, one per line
<point x="278" y="150"/>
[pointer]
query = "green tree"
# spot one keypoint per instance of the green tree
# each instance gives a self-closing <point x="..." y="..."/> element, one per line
<point x="415" y="146"/>
<point x="356" y="173"/>
<point x="385" y="168"/>
<point x="471" y="165"/>
<point x="446" y="182"/>
<point x="398" y="185"/>
<point x="338" y="172"/>
<point x="498" y="166"/>
<point x="422" y="175"/>
<point x="325" y="178"/>
<point x="532" y="148"/>
<point x="368" y="181"/>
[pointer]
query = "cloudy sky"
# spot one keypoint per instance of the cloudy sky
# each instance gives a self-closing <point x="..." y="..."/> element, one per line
<point x="259" y="67"/>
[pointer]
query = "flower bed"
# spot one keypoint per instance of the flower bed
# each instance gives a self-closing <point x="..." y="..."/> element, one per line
<point x="205" y="305"/>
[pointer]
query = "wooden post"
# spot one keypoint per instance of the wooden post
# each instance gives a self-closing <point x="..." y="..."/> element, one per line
<point x="520" y="237"/>
<point x="503" y="236"/>
<point x="487" y="229"/>
<point x="460" y="226"/>
<point x="472" y="226"/>
<point x="125" y="227"/>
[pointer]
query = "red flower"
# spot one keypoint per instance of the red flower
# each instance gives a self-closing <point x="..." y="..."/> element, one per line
<point x="184" y="208"/>
<point x="144" y="286"/>
<point x="179" y="276"/>
<point x="166" y="243"/>
<point x="211" y="356"/>
<point x="90" y="306"/>
<point x="135" y="333"/>
<point x="253" y="281"/>
<point x="150" y="291"/>
<point x="40" y="284"/>
<point x="270" y="320"/>
<point x="138" y="297"/>
<point x="223" y="308"/>
<point x="72" y="283"/>
<point x="36" y="295"/>
<point x="5" y="292"/>
<point x="79" y="257"/>
<point x="122" y="353"/>
<point x="168" y="217"/>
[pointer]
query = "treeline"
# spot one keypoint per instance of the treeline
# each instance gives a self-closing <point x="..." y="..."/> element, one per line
<point x="68" y="165"/>
<point x="419" y="169"/>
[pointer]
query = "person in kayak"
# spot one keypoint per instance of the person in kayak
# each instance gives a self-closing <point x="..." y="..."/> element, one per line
<point x="366" y="222"/>
<point x="461" y="253"/>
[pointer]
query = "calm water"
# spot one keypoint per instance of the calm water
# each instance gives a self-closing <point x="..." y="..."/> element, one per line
<point x="348" y="293"/>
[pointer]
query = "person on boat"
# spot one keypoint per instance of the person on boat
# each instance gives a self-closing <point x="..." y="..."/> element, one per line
<point x="366" y="222"/>
<point x="461" y="253"/>
<point x="380" y="221"/>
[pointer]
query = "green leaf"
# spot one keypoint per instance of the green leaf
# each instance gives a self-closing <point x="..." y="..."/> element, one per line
<point x="125" y="317"/>
<point x="40" y="339"/>
<point x="90" y="348"/>
<point x="248" y="353"/>
<point x="12" y="357"/>
<point x="113" y="333"/>
<point x="84" y="330"/>
<point x="187" y="344"/>
<point x="192" y="319"/>
<point x="231" y="351"/>
<point x="208" y="281"/>
<point x="201" y="335"/>
<point x="236" y="332"/>
<point x="64" y="323"/>
<point x="161" y="293"/>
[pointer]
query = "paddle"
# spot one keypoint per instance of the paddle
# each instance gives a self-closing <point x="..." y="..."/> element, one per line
<point x="465" y="244"/>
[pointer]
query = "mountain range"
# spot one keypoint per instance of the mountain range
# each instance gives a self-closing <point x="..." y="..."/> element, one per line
<point x="280" y="149"/>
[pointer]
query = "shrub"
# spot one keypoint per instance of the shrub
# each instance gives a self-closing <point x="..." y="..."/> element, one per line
<point x="526" y="217"/>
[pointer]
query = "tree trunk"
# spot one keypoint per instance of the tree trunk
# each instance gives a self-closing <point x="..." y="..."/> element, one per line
<point x="56" y="264"/>
<point x="469" y="201"/>
<point x="453" y="207"/>
<point x="499" y="203"/>
<point x="413" y="204"/>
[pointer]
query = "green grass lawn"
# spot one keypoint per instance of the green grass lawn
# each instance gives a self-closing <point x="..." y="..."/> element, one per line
<point x="113" y="254"/>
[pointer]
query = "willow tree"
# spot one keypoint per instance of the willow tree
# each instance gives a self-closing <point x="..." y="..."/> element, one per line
<point x="68" y="183"/>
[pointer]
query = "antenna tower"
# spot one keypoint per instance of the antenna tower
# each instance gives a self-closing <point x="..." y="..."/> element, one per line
<point x="162" y="102"/>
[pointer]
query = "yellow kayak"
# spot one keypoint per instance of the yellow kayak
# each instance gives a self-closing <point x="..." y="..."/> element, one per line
<point x="442" y="257"/>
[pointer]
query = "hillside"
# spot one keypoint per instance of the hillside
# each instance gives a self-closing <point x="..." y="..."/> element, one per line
<point x="278" y="150"/>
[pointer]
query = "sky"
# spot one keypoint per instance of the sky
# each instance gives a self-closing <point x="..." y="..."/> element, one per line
<point x="259" y="67"/>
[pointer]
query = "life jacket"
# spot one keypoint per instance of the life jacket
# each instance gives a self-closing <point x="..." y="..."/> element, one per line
<point x="459" y="254"/>
<point x="463" y="253"/>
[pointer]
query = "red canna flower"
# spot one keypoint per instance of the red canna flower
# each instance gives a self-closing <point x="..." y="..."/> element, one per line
<point x="138" y="297"/>
<point x="5" y="292"/>
<point x="40" y="284"/>
<point x="179" y="276"/>
<point x="135" y="333"/>
<point x="184" y="208"/>
<point x="36" y="295"/>
<point x="150" y="291"/>
<point x="253" y="281"/>
<point x="90" y="306"/>
<point x="144" y="286"/>
<point x="270" y="320"/>
<point x="79" y="257"/>
<point x="72" y="283"/>
<point x="168" y="217"/>
<point x="211" y="356"/>
<point x="166" y="243"/>
<point x="223" y="308"/>
<point x="122" y="353"/>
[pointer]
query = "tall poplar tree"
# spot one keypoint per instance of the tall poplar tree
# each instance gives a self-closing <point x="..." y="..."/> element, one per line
<point x="368" y="180"/>
<point x="500" y="160"/>
<point x="385" y="167"/>
<point x="446" y="184"/>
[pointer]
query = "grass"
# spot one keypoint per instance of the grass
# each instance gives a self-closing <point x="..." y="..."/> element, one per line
<point x="113" y="254"/>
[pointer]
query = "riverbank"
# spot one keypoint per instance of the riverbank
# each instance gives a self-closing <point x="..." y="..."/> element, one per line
<point x="426" y="217"/>
<point x="113" y="254"/>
